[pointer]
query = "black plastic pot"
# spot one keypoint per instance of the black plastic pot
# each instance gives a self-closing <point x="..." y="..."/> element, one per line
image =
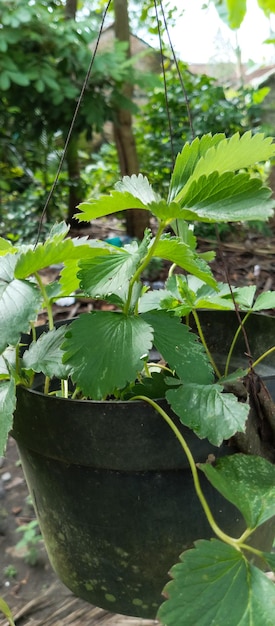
<point x="114" y="495"/>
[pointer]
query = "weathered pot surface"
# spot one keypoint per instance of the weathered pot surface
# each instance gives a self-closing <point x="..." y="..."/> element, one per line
<point x="112" y="535"/>
<point x="114" y="496"/>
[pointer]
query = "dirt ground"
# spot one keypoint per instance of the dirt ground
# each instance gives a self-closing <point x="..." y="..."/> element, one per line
<point x="33" y="591"/>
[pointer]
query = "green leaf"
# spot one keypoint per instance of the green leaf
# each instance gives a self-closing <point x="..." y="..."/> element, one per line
<point x="4" y="81"/>
<point x="106" y="351"/>
<point x="165" y="211"/>
<point x="40" y="85"/>
<point x="179" y="347"/>
<point x="244" y="296"/>
<point x="264" y="301"/>
<point x="106" y="205"/>
<point x="139" y="187"/>
<point x="187" y="160"/>
<point x="230" y="155"/>
<point x="268" y="6"/>
<point x="234" y="376"/>
<point x="19" y="79"/>
<point x="232" y="12"/>
<point x="45" y="354"/>
<point x="69" y="280"/>
<point x="151" y="300"/>
<point x="7" y="408"/>
<point x="20" y="302"/>
<point x="51" y="82"/>
<point x="208" y="411"/>
<point x="53" y="291"/>
<point x="228" y="197"/>
<point x="190" y="293"/>
<point x="215" y="584"/>
<point x="236" y="153"/>
<point x="56" y="250"/>
<point x="172" y="249"/>
<point x="7" y="362"/>
<point x="23" y="14"/>
<point x="3" y="45"/>
<point x="5" y="609"/>
<point x="102" y="276"/>
<point x="246" y="481"/>
<point x="59" y="231"/>
<point x="184" y="231"/>
<point x="153" y="387"/>
<point x="49" y="253"/>
<point x="211" y="300"/>
<point x="133" y="192"/>
<point x="270" y="560"/>
<point x="6" y="246"/>
<point x="261" y="93"/>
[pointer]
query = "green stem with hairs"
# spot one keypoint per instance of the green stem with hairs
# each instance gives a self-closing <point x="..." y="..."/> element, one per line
<point x="234" y="343"/>
<point x="47" y="301"/>
<point x="64" y="388"/>
<point x="193" y="468"/>
<point x="263" y="356"/>
<point x="143" y="266"/>
<point x="160" y="366"/>
<point x="238" y="544"/>
<point x="171" y="270"/>
<point x="48" y="306"/>
<point x="202" y="338"/>
<point x="47" y="385"/>
<point x="17" y="360"/>
<point x="75" y="393"/>
<point x="33" y="329"/>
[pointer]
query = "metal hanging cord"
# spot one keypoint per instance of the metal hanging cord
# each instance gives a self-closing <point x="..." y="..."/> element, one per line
<point x="81" y="95"/>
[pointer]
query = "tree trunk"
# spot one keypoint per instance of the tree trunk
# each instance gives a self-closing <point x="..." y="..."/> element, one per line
<point x="70" y="9"/>
<point x="136" y="219"/>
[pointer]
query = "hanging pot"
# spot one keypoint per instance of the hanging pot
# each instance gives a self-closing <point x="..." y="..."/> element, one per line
<point x="114" y="494"/>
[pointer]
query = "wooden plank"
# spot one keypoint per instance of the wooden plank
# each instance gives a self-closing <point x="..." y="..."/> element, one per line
<point x="59" y="607"/>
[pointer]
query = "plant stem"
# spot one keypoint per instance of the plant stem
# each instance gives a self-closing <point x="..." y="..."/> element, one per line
<point x="33" y="329"/>
<point x="247" y="532"/>
<point x="47" y="385"/>
<point x="64" y="388"/>
<point x="259" y="553"/>
<point x="47" y="301"/>
<point x="202" y="338"/>
<point x="234" y="343"/>
<point x="143" y="266"/>
<point x="263" y="356"/>
<point x="217" y="530"/>
<point x="171" y="270"/>
<point x="162" y="367"/>
<point x="75" y="393"/>
<point x="17" y="360"/>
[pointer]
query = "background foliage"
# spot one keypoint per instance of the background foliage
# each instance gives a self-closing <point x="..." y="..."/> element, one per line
<point x="44" y="57"/>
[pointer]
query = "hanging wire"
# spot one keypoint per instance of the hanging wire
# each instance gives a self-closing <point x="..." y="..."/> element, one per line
<point x="176" y="228"/>
<point x="81" y="95"/>
<point x="165" y="85"/>
<point x="164" y="78"/>
<point x="178" y="71"/>
<point x="83" y="89"/>
<point x="193" y="135"/>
